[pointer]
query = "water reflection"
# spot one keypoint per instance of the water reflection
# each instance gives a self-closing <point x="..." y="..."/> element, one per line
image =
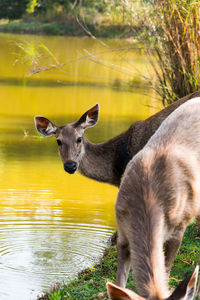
<point x="51" y="227"/>
<point x="53" y="224"/>
<point x="114" y="84"/>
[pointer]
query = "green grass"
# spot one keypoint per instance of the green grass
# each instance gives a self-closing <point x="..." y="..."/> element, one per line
<point x="66" y="28"/>
<point x="188" y="255"/>
<point x="52" y="28"/>
<point x="91" y="283"/>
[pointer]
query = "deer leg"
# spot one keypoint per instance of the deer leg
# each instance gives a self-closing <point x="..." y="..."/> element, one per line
<point x="171" y="249"/>
<point x="123" y="266"/>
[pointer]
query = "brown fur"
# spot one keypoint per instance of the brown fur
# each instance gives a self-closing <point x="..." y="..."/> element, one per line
<point x="158" y="197"/>
<point x="107" y="154"/>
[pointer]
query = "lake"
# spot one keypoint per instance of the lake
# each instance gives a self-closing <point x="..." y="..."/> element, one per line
<point x="52" y="224"/>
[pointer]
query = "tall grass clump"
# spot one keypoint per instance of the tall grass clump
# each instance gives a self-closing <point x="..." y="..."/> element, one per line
<point x="171" y="35"/>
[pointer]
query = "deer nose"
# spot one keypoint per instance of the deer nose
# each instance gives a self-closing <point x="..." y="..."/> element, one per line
<point x="70" y="167"/>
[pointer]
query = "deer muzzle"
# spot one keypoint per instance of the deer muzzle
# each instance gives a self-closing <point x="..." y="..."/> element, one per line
<point x="70" y="166"/>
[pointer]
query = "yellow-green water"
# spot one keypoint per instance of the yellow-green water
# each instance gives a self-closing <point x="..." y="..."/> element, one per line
<point x="53" y="224"/>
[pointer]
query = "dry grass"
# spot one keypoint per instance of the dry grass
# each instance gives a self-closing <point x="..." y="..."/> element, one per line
<point x="171" y="34"/>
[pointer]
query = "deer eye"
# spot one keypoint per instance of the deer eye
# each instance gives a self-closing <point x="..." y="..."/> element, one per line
<point x="59" y="142"/>
<point x="79" y="140"/>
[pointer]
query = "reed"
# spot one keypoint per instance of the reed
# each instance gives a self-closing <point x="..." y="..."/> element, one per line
<point x="171" y="35"/>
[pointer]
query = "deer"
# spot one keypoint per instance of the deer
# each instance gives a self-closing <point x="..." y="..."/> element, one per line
<point x="104" y="162"/>
<point x="186" y="290"/>
<point x="158" y="197"/>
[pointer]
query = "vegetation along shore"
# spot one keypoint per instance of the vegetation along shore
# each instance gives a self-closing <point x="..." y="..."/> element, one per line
<point x="90" y="284"/>
<point x="72" y="18"/>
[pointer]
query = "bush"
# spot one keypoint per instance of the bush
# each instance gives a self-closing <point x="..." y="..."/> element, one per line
<point x="12" y="9"/>
<point x="171" y="34"/>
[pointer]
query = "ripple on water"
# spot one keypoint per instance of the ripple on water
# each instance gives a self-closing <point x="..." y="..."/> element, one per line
<point x="39" y="253"/>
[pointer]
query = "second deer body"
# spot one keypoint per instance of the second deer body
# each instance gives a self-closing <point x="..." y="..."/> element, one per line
<point x="158" y="197"/>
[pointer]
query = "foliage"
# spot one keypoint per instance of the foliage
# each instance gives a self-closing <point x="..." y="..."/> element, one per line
<point x="171" y="34"/>
<point x="32" y="4"/>
<point x="105" y="11"/>
<point x="169" y="29"/>
<point x="49" y="9"/>
<point x="37" y="57"/>
<point x="57" y="295"/>
<point x="91" y="283"/>
<point x="45" y="5"/>
<point x="90" y="11"/>
<point x="12" y="9"/>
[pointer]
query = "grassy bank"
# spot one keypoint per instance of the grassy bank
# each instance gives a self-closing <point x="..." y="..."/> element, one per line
<point x="66" y="28"/>
<point x="91" y="283"/>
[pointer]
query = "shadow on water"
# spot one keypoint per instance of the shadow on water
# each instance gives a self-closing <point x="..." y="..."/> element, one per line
<point x="130" y="86"/>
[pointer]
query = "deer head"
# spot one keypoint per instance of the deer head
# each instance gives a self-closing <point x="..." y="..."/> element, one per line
<point x="69" y="137"/>
<point x="186" y="290"/>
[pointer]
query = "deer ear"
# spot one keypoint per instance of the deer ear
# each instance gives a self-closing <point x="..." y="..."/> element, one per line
<point x="187" y="288"/>
<point x="89" y="118"/>
<point x="117" y="293"/>
<point x="44" y="126"/>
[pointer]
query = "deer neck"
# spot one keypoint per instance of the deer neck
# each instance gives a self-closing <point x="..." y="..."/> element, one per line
<point x="107" y="161"/>
<point x="97" y="162"/>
